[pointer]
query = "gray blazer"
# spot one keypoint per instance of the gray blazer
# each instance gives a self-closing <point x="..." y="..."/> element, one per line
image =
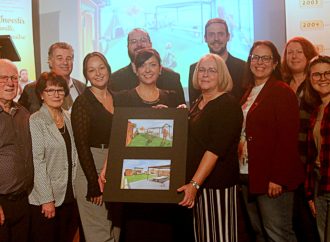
<point x="50" y="158"/>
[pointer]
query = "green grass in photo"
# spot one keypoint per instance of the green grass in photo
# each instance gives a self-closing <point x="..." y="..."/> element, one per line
<point x="143" y="140"/>
<point x="139" y="177"/>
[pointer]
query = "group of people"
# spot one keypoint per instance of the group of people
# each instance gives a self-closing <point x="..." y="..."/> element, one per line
<point x="257" y="137"/>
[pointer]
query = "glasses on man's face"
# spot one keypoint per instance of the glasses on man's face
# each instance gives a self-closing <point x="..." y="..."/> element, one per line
<point x="209" y="71"/>
<point x="51" y="92"/>
<point x="264" y="59"/>
<point x="4" y="79"/>
<point x="141" y="41"/>
<point x="316" y="76"/>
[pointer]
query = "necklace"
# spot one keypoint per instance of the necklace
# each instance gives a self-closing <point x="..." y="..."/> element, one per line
<point x="148" y="98"/>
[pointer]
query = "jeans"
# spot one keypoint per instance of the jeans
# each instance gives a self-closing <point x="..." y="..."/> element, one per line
<point x="254" y="214"/>
<point x="276" y="214"/>
<point x="322" y="204"/>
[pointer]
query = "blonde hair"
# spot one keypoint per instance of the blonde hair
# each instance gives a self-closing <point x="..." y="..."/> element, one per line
<point x="225" y="82"/>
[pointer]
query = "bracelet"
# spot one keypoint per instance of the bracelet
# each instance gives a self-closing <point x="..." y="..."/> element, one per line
<point x="195" y="184"/>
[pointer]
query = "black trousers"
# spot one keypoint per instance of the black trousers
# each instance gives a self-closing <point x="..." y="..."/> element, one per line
<point x="16" y="226"/>
<point x="61" y="228"/>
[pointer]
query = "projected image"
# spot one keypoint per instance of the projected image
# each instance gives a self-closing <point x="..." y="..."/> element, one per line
<point x="149" y="133"/>
<point x="176" y="28"/>
<point x="146" y="174"/>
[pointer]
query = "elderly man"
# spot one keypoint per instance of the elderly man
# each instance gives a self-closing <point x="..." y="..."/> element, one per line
<point x="216" y="36"/>
<point x="16" y="165"/>
<point x="60" y="60"/>
<point x="125" y="78"/>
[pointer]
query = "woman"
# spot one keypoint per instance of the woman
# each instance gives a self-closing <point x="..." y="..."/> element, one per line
<point x="269" y="144"/>
<point x="215" y="122"/>
<point x="297" y="54"/>
<point x="55" y="160"/>
<point x="148" y="68"/>
<point x="151" y="222"/>
<point x="318" y="172"/>
<point x="92" y="114"/>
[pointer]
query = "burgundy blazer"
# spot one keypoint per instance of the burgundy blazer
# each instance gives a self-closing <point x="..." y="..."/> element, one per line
<point x="272" y="126"/>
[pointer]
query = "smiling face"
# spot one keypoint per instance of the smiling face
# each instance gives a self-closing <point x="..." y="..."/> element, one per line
<point x="217" y="38"/>
<point x="296" y="58"/>
<point x="321" y="84"/>
<point x="8" y="81"/>
<point x="137" y="40"/>
<point x="207" y="75"/>
<point x="61" y="62"/>
<point x="97" y="72"/>
<point x="149" y="72"/>
<point x="53" y="96"/>
<point x="262" y="69"/>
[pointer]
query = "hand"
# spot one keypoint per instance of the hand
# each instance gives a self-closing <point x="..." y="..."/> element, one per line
<point x="182" y="106"/>
<point x="2" y="216"/>
<point x="274" y="190"/>
<point x="97" y="200"/>
<point x="48" y="209"/>
<point x="189" y="195"/>
<point x="101" y="180"/>
<point x="312" y="207"/>
<point x="159" y="106"/>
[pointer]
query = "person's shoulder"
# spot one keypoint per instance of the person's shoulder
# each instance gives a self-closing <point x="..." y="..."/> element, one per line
<point x="121" y="98"/>
<point x="122" y="71"/>
<point x="235" y="60"/>
<point x="193" y="66"/>
<point x="169" y="72"/>
<point x="280" y="85"/>
<point x="280" y="89"/>
<point x="30" y="86"/>
<point x="21" y="109"/>
<point x="77" y="82"/>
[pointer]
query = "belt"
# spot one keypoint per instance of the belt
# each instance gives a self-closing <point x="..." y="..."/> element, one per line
<point x="101" y="146"/>
<point x="13" y="196"/>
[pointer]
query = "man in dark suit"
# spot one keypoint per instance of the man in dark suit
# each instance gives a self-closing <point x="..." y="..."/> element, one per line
<point x="125" y="78"/>
<point x="60" y="60"/>
<point x="216" y="36"/>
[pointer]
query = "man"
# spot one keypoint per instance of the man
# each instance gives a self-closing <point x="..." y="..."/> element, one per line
<point x="60" y="60"/>
<point x="125" y="78"/>
<point x="23" y="81"/>
<point x="16" y="165"/>
<point x="216" y="36"/>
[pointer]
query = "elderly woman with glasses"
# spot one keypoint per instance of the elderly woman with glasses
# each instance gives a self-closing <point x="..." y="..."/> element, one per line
<point x="270" y="166"/>
<point x="317" y="183"/>
<point x="215" y="123"/>
<point x="55" y="160"/>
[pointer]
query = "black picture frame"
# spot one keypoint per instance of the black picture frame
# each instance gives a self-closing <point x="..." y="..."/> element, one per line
<point x="120" y="152"/>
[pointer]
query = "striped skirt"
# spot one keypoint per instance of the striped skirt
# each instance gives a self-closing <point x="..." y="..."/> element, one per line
<point x="215" y="215"/>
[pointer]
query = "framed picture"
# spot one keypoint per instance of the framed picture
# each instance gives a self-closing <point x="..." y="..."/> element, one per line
<point x="147" y="155"/>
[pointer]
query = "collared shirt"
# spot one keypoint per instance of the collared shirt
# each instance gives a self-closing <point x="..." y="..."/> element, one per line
<point x="324" y="155"/>
<point x="16" y="164"/>
<point x="73" y="90"/>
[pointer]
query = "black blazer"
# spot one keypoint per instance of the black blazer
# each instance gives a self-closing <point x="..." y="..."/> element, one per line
<point x="126" y="79"/>
<point x="30" y="100"/>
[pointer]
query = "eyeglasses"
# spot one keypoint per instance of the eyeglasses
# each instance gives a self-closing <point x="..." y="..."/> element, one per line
<point x="316" y="76"/>
<point x="264" y="59"/>
<point x="5" y="79"/>
<point x="141" y="41"/>
<point x="51" y="92"/>
<point x="209" y="71"/>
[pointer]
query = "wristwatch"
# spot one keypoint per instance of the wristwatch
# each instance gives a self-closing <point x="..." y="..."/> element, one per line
<point x="195" y="184"/>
